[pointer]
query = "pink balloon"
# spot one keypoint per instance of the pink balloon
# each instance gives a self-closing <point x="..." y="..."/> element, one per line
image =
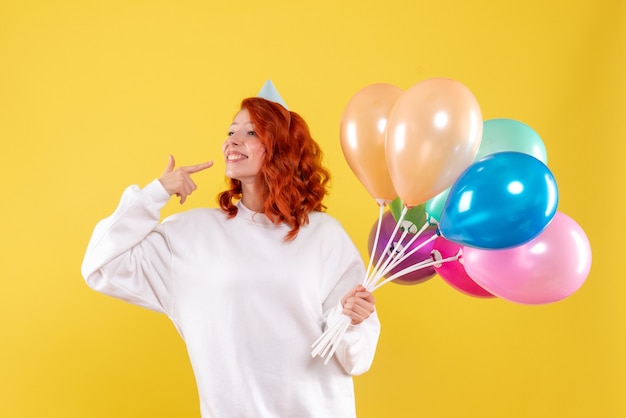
<point x="386" y="228"/>
<point x="546" y="269"/>
<point x="453" y="272"/>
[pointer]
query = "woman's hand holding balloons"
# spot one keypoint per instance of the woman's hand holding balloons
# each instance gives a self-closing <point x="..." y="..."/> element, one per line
<point x="358" y="304"/>
<point x="178" y="181"/>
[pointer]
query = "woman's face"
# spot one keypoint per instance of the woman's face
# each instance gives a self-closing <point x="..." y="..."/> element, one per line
<point x="243" y="151"/>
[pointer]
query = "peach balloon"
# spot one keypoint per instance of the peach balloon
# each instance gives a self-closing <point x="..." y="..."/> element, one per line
<point x="434" y="132"/>
<point x="362" y="135"/>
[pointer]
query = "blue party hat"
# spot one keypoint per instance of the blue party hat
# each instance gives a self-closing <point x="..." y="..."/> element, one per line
<point x="269" y="92"/>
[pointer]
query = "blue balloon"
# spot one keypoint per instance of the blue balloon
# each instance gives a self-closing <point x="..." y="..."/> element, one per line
<point x="502" y="200"/>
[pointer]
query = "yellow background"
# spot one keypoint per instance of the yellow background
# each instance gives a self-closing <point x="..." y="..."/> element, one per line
<point x="95" y="94"/>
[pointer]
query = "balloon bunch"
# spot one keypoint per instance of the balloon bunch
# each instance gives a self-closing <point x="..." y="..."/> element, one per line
<point x="475" y="199"/>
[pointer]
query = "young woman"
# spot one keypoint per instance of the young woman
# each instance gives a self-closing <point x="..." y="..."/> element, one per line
<point x="251" y="285"/>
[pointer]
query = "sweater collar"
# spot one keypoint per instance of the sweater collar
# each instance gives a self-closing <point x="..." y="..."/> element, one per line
<point x="252" y="216"/>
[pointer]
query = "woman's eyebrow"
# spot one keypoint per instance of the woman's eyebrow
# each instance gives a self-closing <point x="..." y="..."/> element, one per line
<point x="244" y="124"/>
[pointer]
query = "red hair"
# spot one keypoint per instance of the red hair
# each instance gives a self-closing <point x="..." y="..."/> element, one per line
<point x="295" y="182"/>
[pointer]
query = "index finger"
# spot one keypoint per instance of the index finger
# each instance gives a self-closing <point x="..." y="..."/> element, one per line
<point x="198" y="167"/>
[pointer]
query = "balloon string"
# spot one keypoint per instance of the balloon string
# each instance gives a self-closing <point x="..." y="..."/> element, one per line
<point x="376" y="237"/>
<point x="326" y="345"/>
<point x="321" y="341"/>
<point x="400" y="256"/>
<point x="415" y="267"/>
<point x="389" y="255"/>
<point x="384" y="257"/>
<point x="408" y="254"/>
<point x="332" y="335"/>
<point x="345" y="324"/>
<point x="328" y="342"/>
<point x="322" y="344"/>
<point x="368" y="281"/>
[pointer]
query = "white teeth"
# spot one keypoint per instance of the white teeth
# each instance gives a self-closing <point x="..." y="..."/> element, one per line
<point x="235" y="157"/>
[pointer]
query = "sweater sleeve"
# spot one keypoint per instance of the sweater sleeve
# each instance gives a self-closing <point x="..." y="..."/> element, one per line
<point x="128" y="256"/>
<point x="357" y="347"/>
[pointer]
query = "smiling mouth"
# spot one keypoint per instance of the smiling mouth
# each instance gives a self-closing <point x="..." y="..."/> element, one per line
<point x="235" y="157"/>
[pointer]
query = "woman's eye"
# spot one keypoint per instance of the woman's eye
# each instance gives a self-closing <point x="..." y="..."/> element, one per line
<point x="251" y="133"/>
<point x="230" y="133"/>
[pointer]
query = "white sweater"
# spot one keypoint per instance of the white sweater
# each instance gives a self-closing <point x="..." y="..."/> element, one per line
<point x="248" y="304"/>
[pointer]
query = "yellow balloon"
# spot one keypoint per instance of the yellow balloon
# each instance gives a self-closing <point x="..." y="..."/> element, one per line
<point x="434" y="132"/>
<point x="362" y="135"/>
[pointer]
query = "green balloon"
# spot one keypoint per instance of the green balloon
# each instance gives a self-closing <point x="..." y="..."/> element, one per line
<point x="434" y="206"/>
<point x="415" y="217"/>
<point x="510" y="135"/>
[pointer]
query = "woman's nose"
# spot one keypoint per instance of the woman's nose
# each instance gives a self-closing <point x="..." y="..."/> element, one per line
<point x="232" y="140"/>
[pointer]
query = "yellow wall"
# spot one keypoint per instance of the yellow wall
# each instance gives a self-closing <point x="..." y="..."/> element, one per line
<point x="95" y="94"/>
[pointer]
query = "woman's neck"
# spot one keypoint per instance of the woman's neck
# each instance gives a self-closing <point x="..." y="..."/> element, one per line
<point x="252" y="198"/>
